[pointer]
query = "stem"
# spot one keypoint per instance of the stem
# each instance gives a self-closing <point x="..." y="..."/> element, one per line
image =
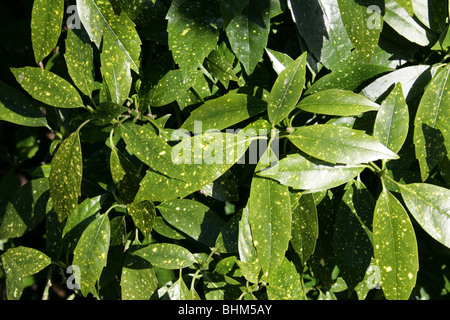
<point x="48" y="284"/>
<point x="83" y="124"/>
<point x="202" y="266"/>
<point x="161" y="131"/>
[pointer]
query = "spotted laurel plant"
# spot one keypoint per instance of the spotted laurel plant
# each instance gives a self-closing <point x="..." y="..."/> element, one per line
<point x="223" y="150"/>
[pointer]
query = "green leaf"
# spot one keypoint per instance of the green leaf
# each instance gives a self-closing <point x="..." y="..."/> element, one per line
<point x="352" y="246"/>
<point x="80" y="60"/>
<point x="151" y="150"/>
<point x="270" y="221"/>
<point x="90" y="254"/>
<point x="138" y="279"/>
<point x="193" y="218"/>
<point x="337" y="103"/>
<point x="66" y="175"/>
<point x="287" y="90"/>
<point x="107" y="111"/>
<point x="305" y="225"/>
<point x="248" y="33"/>
<point x="125" y="175"/>
<point x="413" y="79"/>
<point x="191" y="35"/>
<point x="179" y="291"/>
<point x="279" y="60"/>
<point x="407" y="5"/>
<point x="347" y="78"/>
<point x="203" y="165"/>
<point x="16" y="108"/>
<point x="285" y="284"/>
<point x="392" y="122"/>
<point x="323" y="31"/>
<point x="220" y="63"/>
<point x="338" y="144"/>
<point x="231" y="8"/>
<point x="46" y="22"/>
<point x="399" y="19"/>
<point x="118" y="32"/>
<point x="21" y="262"/>
<point x="166" y="255"/>
<point x="79" y="220"/>
<point x="115" y="69"/>
<point x="48" y="87"/>
<point x="304" y="173"/>
<point x="430" y="207"/>
<point x="358" y="19"/>
<point x="247" y="252"/>
<point x="224" y="112"/>
<point x="431" y="124"/>
<point x="432" y="13"/>
<point x="395" y="247"/>
<point x="26" y="209"/>
<point x="143" y="214"/>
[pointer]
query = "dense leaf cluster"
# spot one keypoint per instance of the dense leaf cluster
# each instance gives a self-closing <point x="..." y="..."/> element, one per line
<point x="223" y="149"/>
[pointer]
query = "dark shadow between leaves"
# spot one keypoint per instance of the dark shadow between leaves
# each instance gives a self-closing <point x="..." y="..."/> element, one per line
<point x="435" y="146"/>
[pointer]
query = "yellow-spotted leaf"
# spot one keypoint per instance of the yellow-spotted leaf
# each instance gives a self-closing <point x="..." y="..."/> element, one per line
<point x="287" y="90"/>
<point x="143" y="215"/>
<point x="225" y="111"/>
<point x="305" y="173"/>
<point x="337" y="102"/>
<point x="21" y="262"/>
<point x="18" y="109"/>
<point x="248" y="33"/>
<point x="91" y="253"/>
<point x="166" y="255"/>
<point x="285" y="284"/>
<point x="46" y="23"/>
<point x="80" y="60"/>
<point x="66" y="175"/>
<point x="430" y="206"/>
<point x="337" y="144"/>
<point x="392" y="122"/>
<point x="152" y="150"/>
<point x="99" y="20"/>
<point x="431" y="124"/>
<point x="270" y="222"/>
<point x="191" y="34"/>
<point x="193" y="218"/>
<point x="357" y="17"/>
<point x="48" y="87"/>
<point x="395" y="247"/>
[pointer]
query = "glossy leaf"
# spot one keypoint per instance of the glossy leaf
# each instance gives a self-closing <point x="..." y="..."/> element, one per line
<point x="125" y="175"/>
<point x="287" y="90"/>
<point x="320" y="25"/>
<point x="248" y="33"/>
<point x="395" y="247"/>
<point x="151" y="149"/>
<point x="108" y="111"/>
<point x="48" y="87"/>
<point x="338" y="103"/>
<point x="66" y="175"/>
<point x="431" y="125"/>
<point x="352" y="245"/>
<point x="203" y="165"/>
<point x="220" y="63"/>
<point x="399" y="19"/>
<point x="407" y="5"/>
<point x="80" y="60"/>
<point x="171" y="87"/>
<point x="191" y="35"/>
<point x="363" y="24"/>
<point x="305" y="225"/>
<point x="336" y="144"/>
<point x="430" y="207"/>
<point x="90" y="254"/>
<point x="118" y="32"/>
<point x="26" y="210"/>
<point x="225" y="111"/>
<point x="46" y="24"/>
<point x="304" y="173"/>
<point x="347" y="78"/>
<point x="16" y="108"/>
<point x="270" y="222"/>
<point x="392" y="122"/>
<point x="193" y="218"/>
<point x="285" y="284"/>
<point x="279" y="60"/>
<point x="143" y="214"/>
<point x="166" y="255"/>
